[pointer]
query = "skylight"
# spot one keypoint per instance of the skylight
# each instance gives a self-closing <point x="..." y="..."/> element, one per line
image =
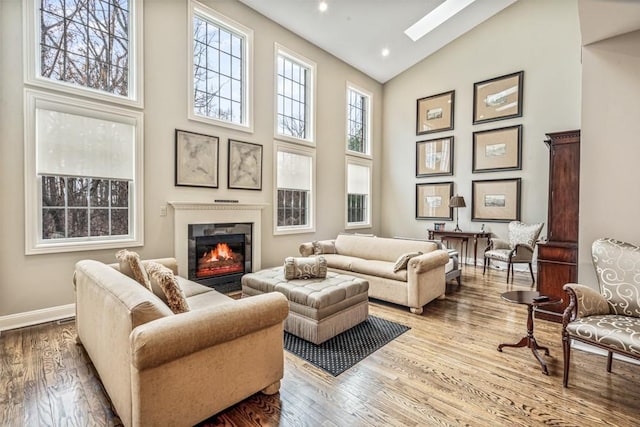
<point x="435" y="18"/>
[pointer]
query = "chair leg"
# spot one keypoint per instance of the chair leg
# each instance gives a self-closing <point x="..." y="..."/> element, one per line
<point x="566" y="350"/>
<point x="484" y="265"/>
<point x="508" y="271"/>
<point x="532" y="277"/>
<point x="609" y="360"/>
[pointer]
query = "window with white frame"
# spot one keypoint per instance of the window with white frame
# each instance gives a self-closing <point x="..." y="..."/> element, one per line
<point x="295" y="85"/>
<point x="220" y="66"/>
<point x="83" y="175"/>
<point x="294" y="195"/>
<point x="358" y="193"/>
<point x="358" y="121"/>
<point x="88" y="47"/>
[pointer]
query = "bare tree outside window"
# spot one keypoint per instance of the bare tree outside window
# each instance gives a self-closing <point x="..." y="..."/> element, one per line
<point x="292" y="98"/>
<point x="357" y="122"/>
<point x="356" y="208"/>
<point x="86" y="43"/>
<point x="217" y="71"/>
<point x="292" y="207"/>
<point x="84" y="207"/>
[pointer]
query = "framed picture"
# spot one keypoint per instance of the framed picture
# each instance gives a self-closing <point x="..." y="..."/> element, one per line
<point x="434" y="157"/>
<point x="196" y="160"/>
<point x="244" y="169"/>
<point x="498" y="98"/>
<point x="432" y="200"/>
<point x="496" y="200"/>
<point x="435" y="113"/>
<point x="497" y="149"/>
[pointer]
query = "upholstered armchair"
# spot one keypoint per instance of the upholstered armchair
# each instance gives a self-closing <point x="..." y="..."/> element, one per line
<point x="610" y="318"/>
<point x="518" y="249"/>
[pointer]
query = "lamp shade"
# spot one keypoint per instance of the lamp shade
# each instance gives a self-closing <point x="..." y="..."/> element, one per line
<point x="457" y="202"/>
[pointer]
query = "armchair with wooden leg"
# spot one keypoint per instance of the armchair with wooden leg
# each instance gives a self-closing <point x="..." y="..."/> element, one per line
<point x="518" y="249"/>
<point x="608" y="318"/>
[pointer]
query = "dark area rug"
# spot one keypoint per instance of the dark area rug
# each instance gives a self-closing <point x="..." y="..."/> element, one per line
<point x="345" y="350"/>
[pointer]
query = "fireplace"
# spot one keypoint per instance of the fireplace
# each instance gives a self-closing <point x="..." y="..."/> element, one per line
<point x="219" y="254"/>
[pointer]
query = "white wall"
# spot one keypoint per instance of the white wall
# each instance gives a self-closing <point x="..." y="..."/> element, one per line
<point x="37" y="282"/>
<point x="540" y="37"/>
<point x="610" y="146"/>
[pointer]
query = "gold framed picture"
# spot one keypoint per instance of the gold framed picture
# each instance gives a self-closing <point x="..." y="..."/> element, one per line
<point x="432" y="200"/>
<point x="496" y="200"/>
<point x="435" y="113"/>
<point x="497" y="149"/>
<point x="434" y="157"/>
<point x="498" y="98"/>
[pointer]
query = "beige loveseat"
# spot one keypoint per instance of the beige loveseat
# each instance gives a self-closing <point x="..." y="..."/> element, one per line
<point x="373" y="259"/>
<point x="161" y="368"/>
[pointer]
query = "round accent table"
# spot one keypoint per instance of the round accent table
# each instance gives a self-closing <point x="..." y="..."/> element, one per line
<point x="532" y="300"/>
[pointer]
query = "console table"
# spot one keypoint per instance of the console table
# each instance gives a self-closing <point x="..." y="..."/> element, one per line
<point x="461" y="235"/>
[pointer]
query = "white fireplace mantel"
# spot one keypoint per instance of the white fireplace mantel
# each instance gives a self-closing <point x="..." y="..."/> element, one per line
<point x="186" y="213"/>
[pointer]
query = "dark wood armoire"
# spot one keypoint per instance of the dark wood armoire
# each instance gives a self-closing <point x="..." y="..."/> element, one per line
<point x="558" y="256"/>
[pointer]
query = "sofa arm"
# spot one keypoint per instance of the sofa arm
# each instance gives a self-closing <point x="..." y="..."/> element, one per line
<point x="587" y="301"/>
<point x="173" y="337"/>
<point x="306" y="249"/>
<point x="428" y="261"/>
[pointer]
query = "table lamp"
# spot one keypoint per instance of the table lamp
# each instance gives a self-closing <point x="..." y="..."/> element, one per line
<point x="457" y="202"/>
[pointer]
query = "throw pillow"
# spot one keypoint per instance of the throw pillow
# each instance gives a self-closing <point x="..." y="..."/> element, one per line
<point x="403" y="260"/>
<point x="131" y="265"/>
<point x="305" y="268"/>
<point x="324" y="247"/>
<point x="164" y="278"/>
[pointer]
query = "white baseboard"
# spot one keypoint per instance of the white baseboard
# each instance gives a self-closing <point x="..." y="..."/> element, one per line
<point x="502" y="266"/>
<point x="29" y="318"/>
<point x="579" y="345"/>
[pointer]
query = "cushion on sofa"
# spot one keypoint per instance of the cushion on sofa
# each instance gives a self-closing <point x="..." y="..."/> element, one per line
<point x="403" y="260"/>
<point x="305" y="268"/>
<point x="163" y="277"/>
<point x="341" y="262"/>
<point x="131" y="265"/>
<point x="378" y="268"/>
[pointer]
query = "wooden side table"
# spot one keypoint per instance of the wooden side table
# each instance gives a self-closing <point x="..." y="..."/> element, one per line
<point x="527" y="297"/>
<point x="469" y="235"/>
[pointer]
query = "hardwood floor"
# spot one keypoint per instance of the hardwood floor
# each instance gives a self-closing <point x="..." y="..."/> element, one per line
<point x="444" y="371"/>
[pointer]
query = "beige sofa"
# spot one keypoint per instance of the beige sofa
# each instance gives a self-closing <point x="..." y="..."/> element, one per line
<point x="373" y="259"/>
<point x="161" y="368"/>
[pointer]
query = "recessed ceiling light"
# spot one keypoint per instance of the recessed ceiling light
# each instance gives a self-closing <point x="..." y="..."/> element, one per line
<point x="435" y="18"/>
<point x="322" y="6"/>
<point x="385" y="52"/>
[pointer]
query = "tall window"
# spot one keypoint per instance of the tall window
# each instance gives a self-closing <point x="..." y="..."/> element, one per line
<point x="358" y="118"/>
<point x="86" y="46"/>
<point x="358" y="193"/>
<point x="294" y="188"/>
<point x="220" y="51"/>
<point x="84" y="175"/>
<point x="294" y="95"/>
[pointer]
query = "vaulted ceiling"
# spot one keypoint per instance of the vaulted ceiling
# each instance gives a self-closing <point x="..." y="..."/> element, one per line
<point x="356" y="31"/>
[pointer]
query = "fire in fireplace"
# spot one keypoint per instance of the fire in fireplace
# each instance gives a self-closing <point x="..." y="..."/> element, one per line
<point x="219" y="258"/>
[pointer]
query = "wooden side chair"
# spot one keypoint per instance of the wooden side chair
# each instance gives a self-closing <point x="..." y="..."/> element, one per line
<point x="518" y="249"/>
<point x="608" y="319"/>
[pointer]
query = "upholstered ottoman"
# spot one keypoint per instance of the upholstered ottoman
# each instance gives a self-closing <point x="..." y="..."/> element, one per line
<point x="319" y="309"/>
